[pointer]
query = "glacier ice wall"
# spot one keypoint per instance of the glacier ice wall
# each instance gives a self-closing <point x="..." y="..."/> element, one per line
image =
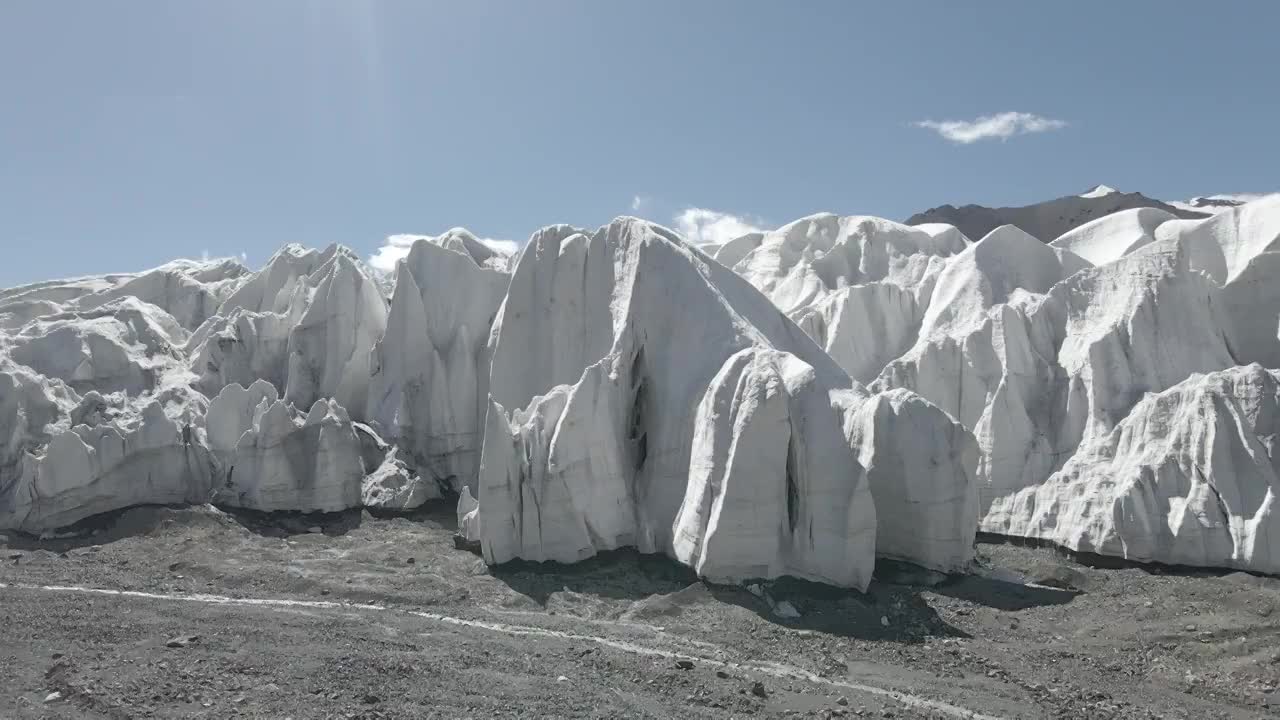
<point x="791" y="402"/>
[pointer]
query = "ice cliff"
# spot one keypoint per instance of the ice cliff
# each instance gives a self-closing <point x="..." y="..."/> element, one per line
<point x="792" y="402"/>
<point x="1051" y="355"/>
<point x="643" y="395"/>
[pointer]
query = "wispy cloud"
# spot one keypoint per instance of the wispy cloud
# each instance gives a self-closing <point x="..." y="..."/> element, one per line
<point x="701" y="226"/>
<point x="397" y="246"/>
<point x="1000" y="126"/>
<point x="506" y="247"/>
<point x="640" y="202"/>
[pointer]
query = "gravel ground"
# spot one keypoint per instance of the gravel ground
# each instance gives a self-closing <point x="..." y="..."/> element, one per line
<point x="162" y="612"/>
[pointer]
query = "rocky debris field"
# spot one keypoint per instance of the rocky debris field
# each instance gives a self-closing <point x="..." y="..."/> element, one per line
<point x="160" y="612"/>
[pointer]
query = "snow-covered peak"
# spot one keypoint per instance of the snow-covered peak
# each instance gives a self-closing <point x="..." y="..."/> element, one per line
<point x="1099" y="191"/>
<point x="1221" y="202"/>
<point x="1050" y="219"/>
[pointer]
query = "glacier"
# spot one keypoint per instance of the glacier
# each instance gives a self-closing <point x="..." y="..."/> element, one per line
<point x="1049" y="352"/>
<point x="797" y="402"/>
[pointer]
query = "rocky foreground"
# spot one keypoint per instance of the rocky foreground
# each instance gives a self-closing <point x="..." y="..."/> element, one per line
<point x="196" y="613"/>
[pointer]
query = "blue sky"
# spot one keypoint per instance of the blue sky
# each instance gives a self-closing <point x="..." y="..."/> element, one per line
<point x="135" y="132"/>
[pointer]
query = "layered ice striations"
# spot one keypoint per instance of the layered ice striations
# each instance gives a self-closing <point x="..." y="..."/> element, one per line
<point x="283" y="460"/>
<point x="644" y="396"/>
<point x="428" y="389"/>
<point x="1054" y="355"/>
<point x="1188" y="477"/>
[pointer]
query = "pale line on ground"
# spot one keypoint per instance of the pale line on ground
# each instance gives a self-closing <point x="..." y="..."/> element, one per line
<point x="659" y="630"/>
<point x="773" y="669"/>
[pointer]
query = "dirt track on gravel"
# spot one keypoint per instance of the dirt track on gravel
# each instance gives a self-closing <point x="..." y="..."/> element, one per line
<point x="196" y="613"/>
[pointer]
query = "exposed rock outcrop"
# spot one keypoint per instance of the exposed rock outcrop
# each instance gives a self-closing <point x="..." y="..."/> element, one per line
<point x="1047" y="220"/>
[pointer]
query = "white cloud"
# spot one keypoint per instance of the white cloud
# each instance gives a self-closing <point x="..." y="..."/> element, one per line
<point x="639" y="202"/>
<point x="204" y="256"/>
<point x="397" y="246"/>
<point x="701" y="226"/>
<point x="506" y="247"/>
<point x="1003" y="126"/>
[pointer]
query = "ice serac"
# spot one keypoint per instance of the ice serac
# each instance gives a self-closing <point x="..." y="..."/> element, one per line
<point x="1136" y="326"/>
<point x="804" y="261"/>
<point x="126" y="345"/>
<point x="761" y="420"/>
<point x="556" y="318"/>
<point x="329" y="348"/>
<point x="462" y="240"/>
<point x="468" y="517"/>
<point x="308" y="310"/>
<point x="1239" y="249"/>
<point x="1035" y="363"/>
<point x="24" y="303"/>
<point x="998" y="269"/>
<point x="96" y="410"/>
<point x="188" y="290"/>
<point x="1113" y="236"/>
<point x="241" y="347"/>
<point x="863" y="327"/>
<point x="280" y="459"/>
<point x="920" y="467"/>
<point x="429" y="387"/>
<point x="732" y="252"/>
<point x="101" y="409"/>
<point x="282" y="285"/>
<point x="393" y="486"/>
<point x="1189" y="477"/>
<point x="90" y="469"/>
<point x="638" y="389"/>
<point x="857" y="285"/>
<point x="232" y="414"/>
<point x="32" y="409"/>
<point x="981" y="341"/>
<point x="1224" y="245"/>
